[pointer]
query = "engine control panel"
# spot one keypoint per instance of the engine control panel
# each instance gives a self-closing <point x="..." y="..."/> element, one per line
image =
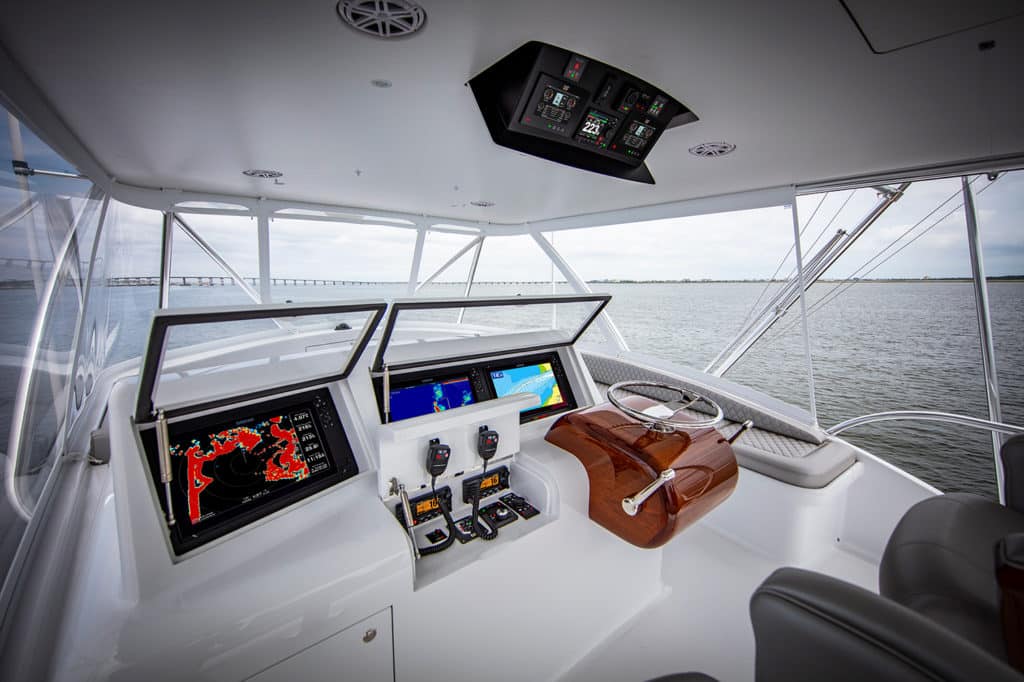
<point x="564" y="107"/>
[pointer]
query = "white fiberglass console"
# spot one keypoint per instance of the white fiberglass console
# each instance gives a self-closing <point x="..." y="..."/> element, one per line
<point x="273" y="473"/>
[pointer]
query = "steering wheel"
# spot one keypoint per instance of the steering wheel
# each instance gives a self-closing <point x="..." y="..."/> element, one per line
<point x="666" y="424"/>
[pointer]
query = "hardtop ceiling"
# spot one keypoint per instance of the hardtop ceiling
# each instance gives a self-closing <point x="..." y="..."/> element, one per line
<point x="187" y="95"/>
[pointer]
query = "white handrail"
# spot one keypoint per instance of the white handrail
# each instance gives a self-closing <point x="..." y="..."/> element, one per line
<point x="925" y="415"/>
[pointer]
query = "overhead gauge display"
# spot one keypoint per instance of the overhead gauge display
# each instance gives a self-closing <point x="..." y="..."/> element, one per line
<point x="554" y="106"/>
<point x="636" y="137"/>
<point x="597" y="128"/>
<point x="574" y="110"/>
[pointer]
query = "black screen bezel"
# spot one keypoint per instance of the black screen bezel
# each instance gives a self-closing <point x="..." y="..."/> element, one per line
<point x="564" y="387"/>
<point x="479" y="375"/>
<point x="421" y="378"/>
<point x="427" y="377"/>
<point x="183" y="535"/>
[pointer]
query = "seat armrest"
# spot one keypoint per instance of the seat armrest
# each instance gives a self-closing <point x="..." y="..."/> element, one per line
<point x="810" y="626"/>
<point x="1010" y="576"/>
<point x="1012" y="455"/>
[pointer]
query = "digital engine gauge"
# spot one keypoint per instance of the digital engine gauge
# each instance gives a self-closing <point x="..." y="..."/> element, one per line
<point x="596" y="128"/>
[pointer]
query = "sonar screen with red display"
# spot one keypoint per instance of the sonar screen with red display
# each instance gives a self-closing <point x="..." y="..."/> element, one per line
<point x="231" y="468"/>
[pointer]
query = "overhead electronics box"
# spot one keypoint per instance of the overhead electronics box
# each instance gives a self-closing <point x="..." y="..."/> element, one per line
<point x="564" y="107"/>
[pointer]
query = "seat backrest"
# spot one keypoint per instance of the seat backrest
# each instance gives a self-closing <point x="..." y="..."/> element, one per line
<point x="1012" y="454"/>
<point x="809" y="626"/>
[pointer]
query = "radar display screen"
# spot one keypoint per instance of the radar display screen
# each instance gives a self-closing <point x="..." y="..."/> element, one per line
<point x="539" y="379"/>
<point x="230" y="468"/>
<point x="430" y="396"/>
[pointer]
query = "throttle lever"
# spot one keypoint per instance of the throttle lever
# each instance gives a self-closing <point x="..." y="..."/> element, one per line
<point x="631" y="505"/>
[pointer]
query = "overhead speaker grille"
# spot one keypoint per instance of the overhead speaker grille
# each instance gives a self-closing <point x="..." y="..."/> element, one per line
<point x="262" y="173"/>
<point x="713" y="149"/>
<point x="383" y="18"/>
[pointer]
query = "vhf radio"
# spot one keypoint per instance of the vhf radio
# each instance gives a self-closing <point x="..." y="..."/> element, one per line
<point x="439" y="502"/>
<point x="486" y="447"/>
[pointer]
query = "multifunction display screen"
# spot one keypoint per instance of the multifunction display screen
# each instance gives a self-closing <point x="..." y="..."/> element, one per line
<point x="419" y="393"/>
<point x="539" y="379"/>
<point x="431" y="396"/>
<point x="230" y="468"/>
<point x="220" y="470"/>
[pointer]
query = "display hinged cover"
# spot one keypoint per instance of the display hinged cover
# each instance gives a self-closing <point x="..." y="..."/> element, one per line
<point x="190" y="349"/>
<point x="420" y="332"/>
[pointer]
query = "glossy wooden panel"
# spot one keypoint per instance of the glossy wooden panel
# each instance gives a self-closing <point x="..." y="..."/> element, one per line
<point x="622" y="456"/>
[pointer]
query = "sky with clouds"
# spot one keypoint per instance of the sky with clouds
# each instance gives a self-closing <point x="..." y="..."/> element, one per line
<point x="738" y="245"/>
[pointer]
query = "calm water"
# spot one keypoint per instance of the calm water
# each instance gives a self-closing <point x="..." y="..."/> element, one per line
<point x="880" y="346"/>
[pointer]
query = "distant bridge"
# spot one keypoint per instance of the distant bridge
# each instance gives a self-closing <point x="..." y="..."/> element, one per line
<point x="25" y="262"/>
<point x="218" y="280"/>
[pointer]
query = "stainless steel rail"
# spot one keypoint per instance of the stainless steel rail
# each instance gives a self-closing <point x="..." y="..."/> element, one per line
<point x="471" y="276"/>
<point x="988" y="353"/>
<point x="218" y="259"/>
<point x="925" y="415"/>
<point x="448" y="263"/>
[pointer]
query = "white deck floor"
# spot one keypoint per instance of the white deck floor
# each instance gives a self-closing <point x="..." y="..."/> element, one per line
<point x="702" y="622"/>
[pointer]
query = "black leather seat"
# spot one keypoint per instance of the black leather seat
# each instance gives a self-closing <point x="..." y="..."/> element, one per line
<point x="809" y="626"/>
<point x="939" y="614"/>
<point x="941" y="562"/>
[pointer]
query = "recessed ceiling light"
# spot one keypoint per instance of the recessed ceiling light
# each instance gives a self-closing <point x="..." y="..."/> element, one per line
<point x="262" y="173"/>
<point x="383" y="18"/>
<point x="482" y="203"/>
<point x="380" y="83"/>
<point x="713" y="149"/>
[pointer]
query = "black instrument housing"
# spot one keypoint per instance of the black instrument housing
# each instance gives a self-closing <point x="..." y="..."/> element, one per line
<point x="567" y="108"/>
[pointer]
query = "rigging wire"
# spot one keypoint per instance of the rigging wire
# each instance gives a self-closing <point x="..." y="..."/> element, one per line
<point x="849" y="280"/>
<point x="810" y="248"/>
<point x="771" y="280"/>
<point x="844" y="285"/>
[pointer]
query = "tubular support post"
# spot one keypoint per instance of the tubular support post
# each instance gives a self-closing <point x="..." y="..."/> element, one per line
<point x="580" y="286"/>
<point x="263" y="241"/>
<point x="798" y="251"/>
<point x="216" y="257"/>
<point x="448" y="263"/>
<point x="988" y="353"/>
<point x="470" y="277"/>
<point x="19" y="413"/>
<point x="83" y="316"/>
<point x="166" y="249"/>
<point x="17" y="213"/>
<point x="417" y="259"/>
